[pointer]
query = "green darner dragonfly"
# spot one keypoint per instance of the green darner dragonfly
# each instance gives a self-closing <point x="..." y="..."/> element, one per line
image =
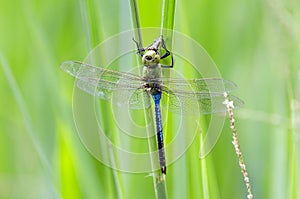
<point x="136" y="91"/>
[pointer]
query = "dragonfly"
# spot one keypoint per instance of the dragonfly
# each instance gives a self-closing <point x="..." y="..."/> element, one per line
<point x="182" y="94"/>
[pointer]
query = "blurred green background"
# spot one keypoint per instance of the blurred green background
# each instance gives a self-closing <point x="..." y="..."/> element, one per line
<point x="254" y="43"/>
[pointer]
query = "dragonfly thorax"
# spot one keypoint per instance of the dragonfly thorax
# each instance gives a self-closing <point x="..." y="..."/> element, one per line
<point x="151" y="59"/>
<point x="153" y="88"/>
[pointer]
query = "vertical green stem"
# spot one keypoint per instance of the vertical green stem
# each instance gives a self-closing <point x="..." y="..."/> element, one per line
<point x="159" y="187"/>
<point x="166" y="25"/>
<point x="167" y="21"/>
<point x="136" y="22"/>
<point x="166" y="31"/>
<point x="93" y="37"/>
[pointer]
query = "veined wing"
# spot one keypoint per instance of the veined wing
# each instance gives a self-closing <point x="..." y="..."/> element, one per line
<point x="79" y="69"/>
<point x="194" y="103"/>
<point x="101" y="82"/>
<point x="123" y="89"/>
<point x="108" y="79"/>
<point x="137" y="99"/>
<point x="204" y="85"/>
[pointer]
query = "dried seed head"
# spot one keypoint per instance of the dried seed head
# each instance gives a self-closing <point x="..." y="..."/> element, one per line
<point x="235" y="142"/>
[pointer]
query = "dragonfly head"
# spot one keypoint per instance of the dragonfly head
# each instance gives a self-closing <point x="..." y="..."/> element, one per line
<point x="151" y="58"/>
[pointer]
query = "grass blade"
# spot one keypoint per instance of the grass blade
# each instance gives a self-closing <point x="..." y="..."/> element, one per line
<point x="28" y="123"/>
<point x="167" y="19"/>
<point x="136" y="22"/>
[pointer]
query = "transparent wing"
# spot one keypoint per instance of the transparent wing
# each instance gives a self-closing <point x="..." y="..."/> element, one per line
<point x="135" y="99"/>
<point x="205" y="85"/>
<point x="184" y="96"/>
<point x="101" y="82"/>
<point x="122" y="89"/>
<point x="197" y="103"/>
<point x="80" y="69"/>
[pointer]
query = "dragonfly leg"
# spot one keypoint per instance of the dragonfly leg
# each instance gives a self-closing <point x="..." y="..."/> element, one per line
<point x="140" y="50"/>
<point x="163" y="45"/>
<point x="167" y="53"/>
<point x="169" y="66"/>
<point x="156" y="44"/>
